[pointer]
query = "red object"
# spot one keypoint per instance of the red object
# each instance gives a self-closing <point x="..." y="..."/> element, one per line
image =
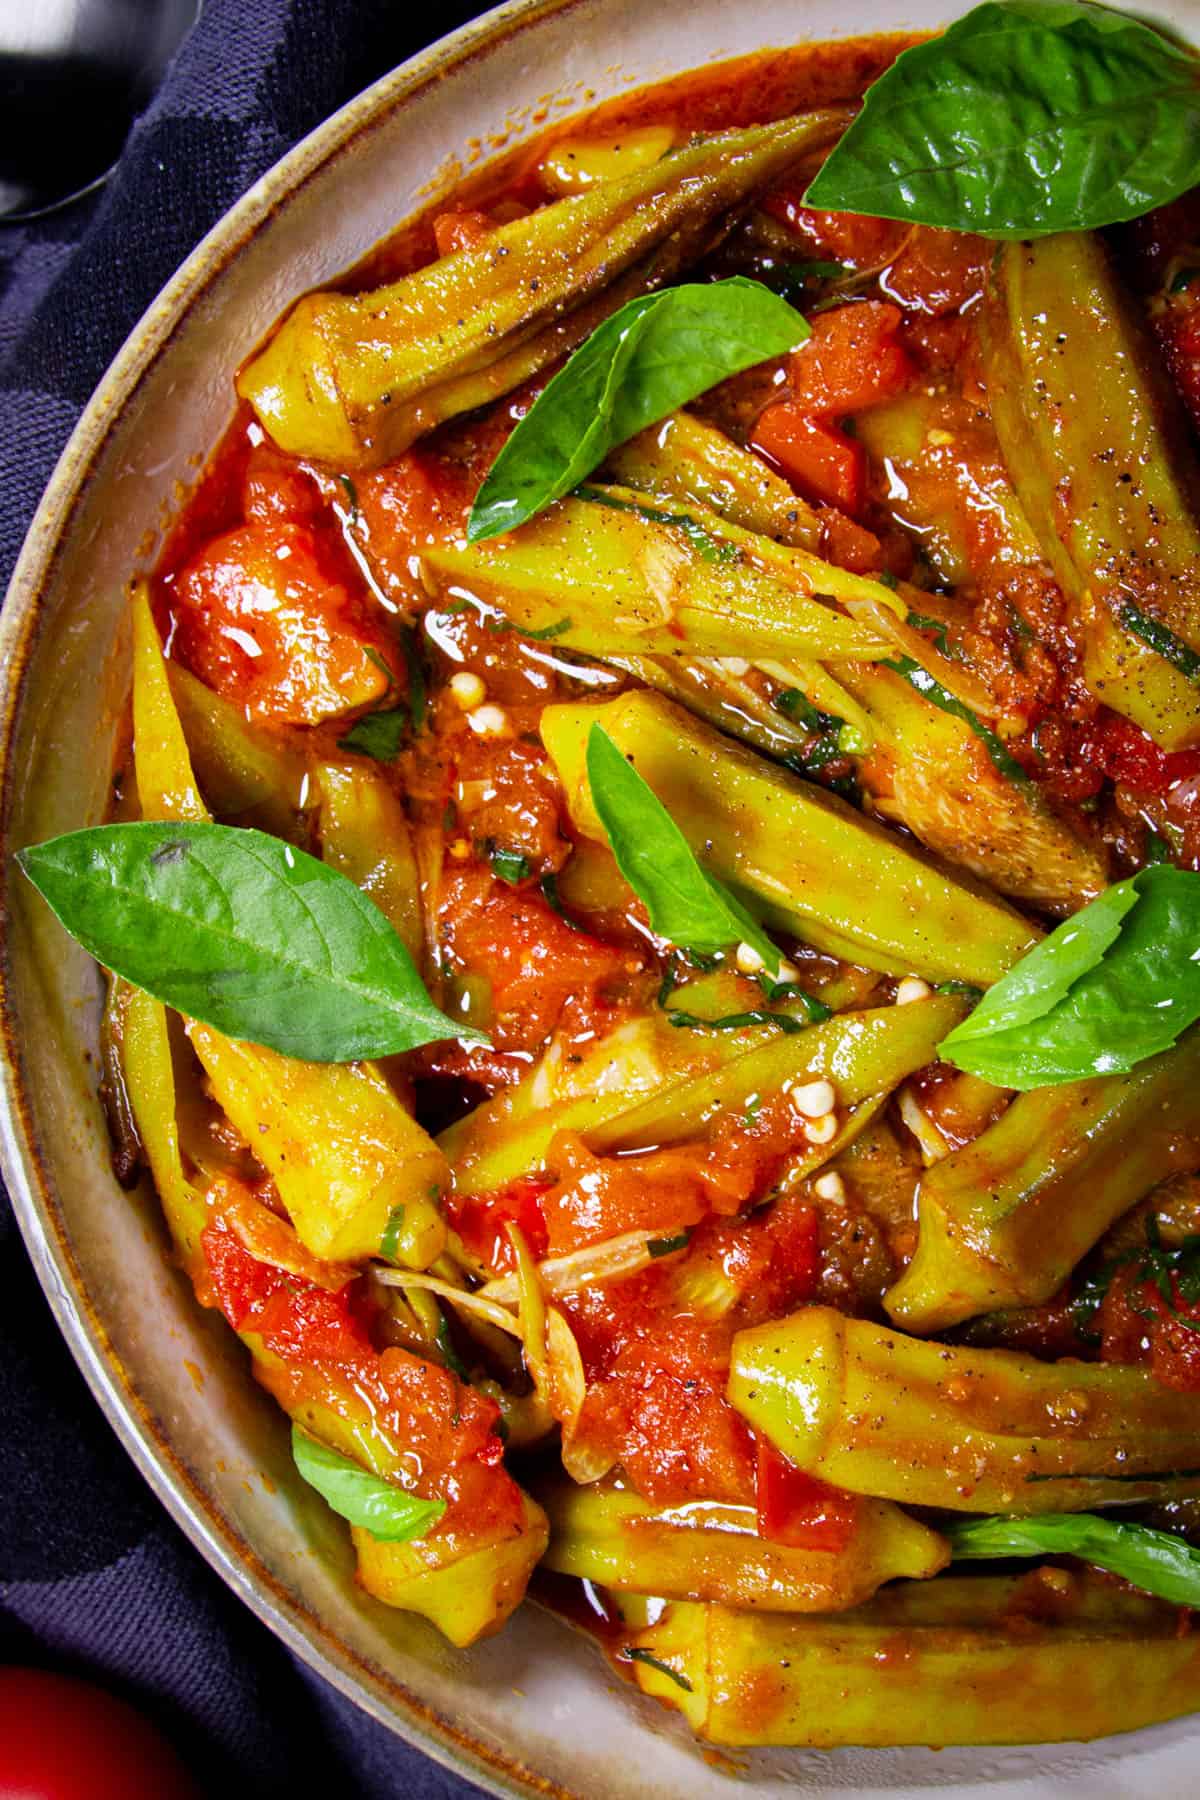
<point x="66" y="1739"/>
<point x="854" y="359"/>
<point x="797" y="1509"/>
<point x="819" y="459"/>
<point x="265" y="618"/>
<point x="856" y="239"/>
<point x="481" y="1221"/>
<point x="1126" y="754"/>
<point x="464" y="230"/>
<point x="295" y="1319"/>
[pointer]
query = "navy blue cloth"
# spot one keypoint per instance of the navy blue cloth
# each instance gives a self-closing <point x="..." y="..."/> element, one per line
<point x="95" y="1579"/>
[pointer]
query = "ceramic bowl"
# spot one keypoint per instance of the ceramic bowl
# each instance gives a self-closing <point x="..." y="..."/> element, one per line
<point x="534" y="1711"/>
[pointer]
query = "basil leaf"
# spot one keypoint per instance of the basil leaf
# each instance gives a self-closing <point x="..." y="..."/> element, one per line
<point x="510" y="866"/>
<point x="244" y="932"/>
<point x="1158" y="1562"/>
<point x="386" y="1511"/>
<point x="1116" y="983"/>
<point x="378" y="734"/>
<point x="1025" y="117"/>
<point x="1162" y="640"/>
<point x="686" y="905"/>
<point x="653" y="355"/>
<point x="669" y="1245"/>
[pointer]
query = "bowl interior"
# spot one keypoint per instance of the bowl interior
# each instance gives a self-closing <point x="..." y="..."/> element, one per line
<point x="534" y="1710"/>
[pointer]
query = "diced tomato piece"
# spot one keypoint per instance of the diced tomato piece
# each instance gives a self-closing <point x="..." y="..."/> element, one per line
<point x="275" y="488"/>
<point x="263" y="618"/>
<point x="848" y="545"/>
<point x="854" y="359"/>
<point x="856" y="239"/>
<point x="1125" y="753"/>
<point x="534" y="961"/>
<point x="463" y="230"/>
<point x="937" y="272"/>
<point x="797" y="1509"/>
<point x="820" y="460"/>
<point x="481" y="1219"/>
<point x="295" y="1318"/>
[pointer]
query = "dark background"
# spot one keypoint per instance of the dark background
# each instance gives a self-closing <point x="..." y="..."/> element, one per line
<point x="94" y="1577"/>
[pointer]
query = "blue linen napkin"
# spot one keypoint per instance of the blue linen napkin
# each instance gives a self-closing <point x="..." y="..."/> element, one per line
<point x="95" y="1579"/>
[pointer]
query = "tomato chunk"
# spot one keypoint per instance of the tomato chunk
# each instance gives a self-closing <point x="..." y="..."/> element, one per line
<point x="1126" y="754"/>
<point x="261" y="617"/>
<point x="795" y="1508"/>
<point x="821" y="461"/>
<point x="854" y="359"/>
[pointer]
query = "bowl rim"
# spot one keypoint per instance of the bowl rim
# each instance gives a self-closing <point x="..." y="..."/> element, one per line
<point x="23" y="1165"/>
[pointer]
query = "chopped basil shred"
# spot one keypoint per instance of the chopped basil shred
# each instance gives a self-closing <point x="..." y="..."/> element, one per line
<point x="920" y="679"/>
<point x="736" y="1021"/>
<point x="668" y="1245"/>
<point x="389" y="1243"/>
<point x="1162" y="640"/>
<point x="635" y="1653"/>
<point x="707" y="547"/>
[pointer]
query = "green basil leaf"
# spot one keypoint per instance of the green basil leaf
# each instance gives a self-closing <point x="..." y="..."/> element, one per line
<point x="244" y="932"/>
<point x="1025" y="117"/>
<point x="384" y="1510"/>
<point x="686" y="905"/>
<point x="1158" y="1562"/>
<point x="510" y="866"/>
<point x="653" y="355"/>
<point x="669" y="1245"/>
<point x="1114" y="984"/>
<point x="378" y="734"/>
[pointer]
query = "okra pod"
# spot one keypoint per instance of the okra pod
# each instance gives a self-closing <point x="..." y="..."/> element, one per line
<point x="365" y="834"/>
<point x="1105" y="472"/>
<point x="805" y="861"/>
<point x="707" y="1550"/>
<point x="249" y="775"/>
<point x="467" y="1588"/>
<point x="685" y="458"/>
<point x="959" y="1660"/>
<point x="619" y="573"/>
<point x="973" y="1430"/>
<point x="344" y="1154"/>
<point x="1005" y="1220"/>
<point x="354" y="378"/>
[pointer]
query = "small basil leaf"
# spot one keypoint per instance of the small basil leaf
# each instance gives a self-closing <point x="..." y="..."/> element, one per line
<point x="244" y="932"/>
<point x="384" y="1510"/>
<point x="1158" y="1562"/>
<point x="1025" y="117"/>
<point x="1114" y="984"/>
<point x="510" y="866"/>
<point x="941" y="697"/>
<point x="687" y="906"/>
<point x="378" y="734"/>
<point x="652" y="356"/>
<point x="635" y="1653"/>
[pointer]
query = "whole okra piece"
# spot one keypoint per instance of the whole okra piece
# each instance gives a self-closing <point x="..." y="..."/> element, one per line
<point x="354" y="378"/>
<point x="1099" y="452"/>
<point x="929" y="1424"/>
<point x="1004" y="1220"/>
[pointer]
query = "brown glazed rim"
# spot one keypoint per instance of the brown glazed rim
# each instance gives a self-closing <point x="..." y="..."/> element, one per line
<point x="22" y="1160"/>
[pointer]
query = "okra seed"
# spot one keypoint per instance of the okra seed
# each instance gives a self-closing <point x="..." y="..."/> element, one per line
<point x="748" y="960"/>
<point x="489" y="721"/>
<point x="912" y="988"/>
<point x="468" y="689"/>
<point x="815" y="1099"/>
<point x="821" y="1131"/>
<point x="830" y="1187"/>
